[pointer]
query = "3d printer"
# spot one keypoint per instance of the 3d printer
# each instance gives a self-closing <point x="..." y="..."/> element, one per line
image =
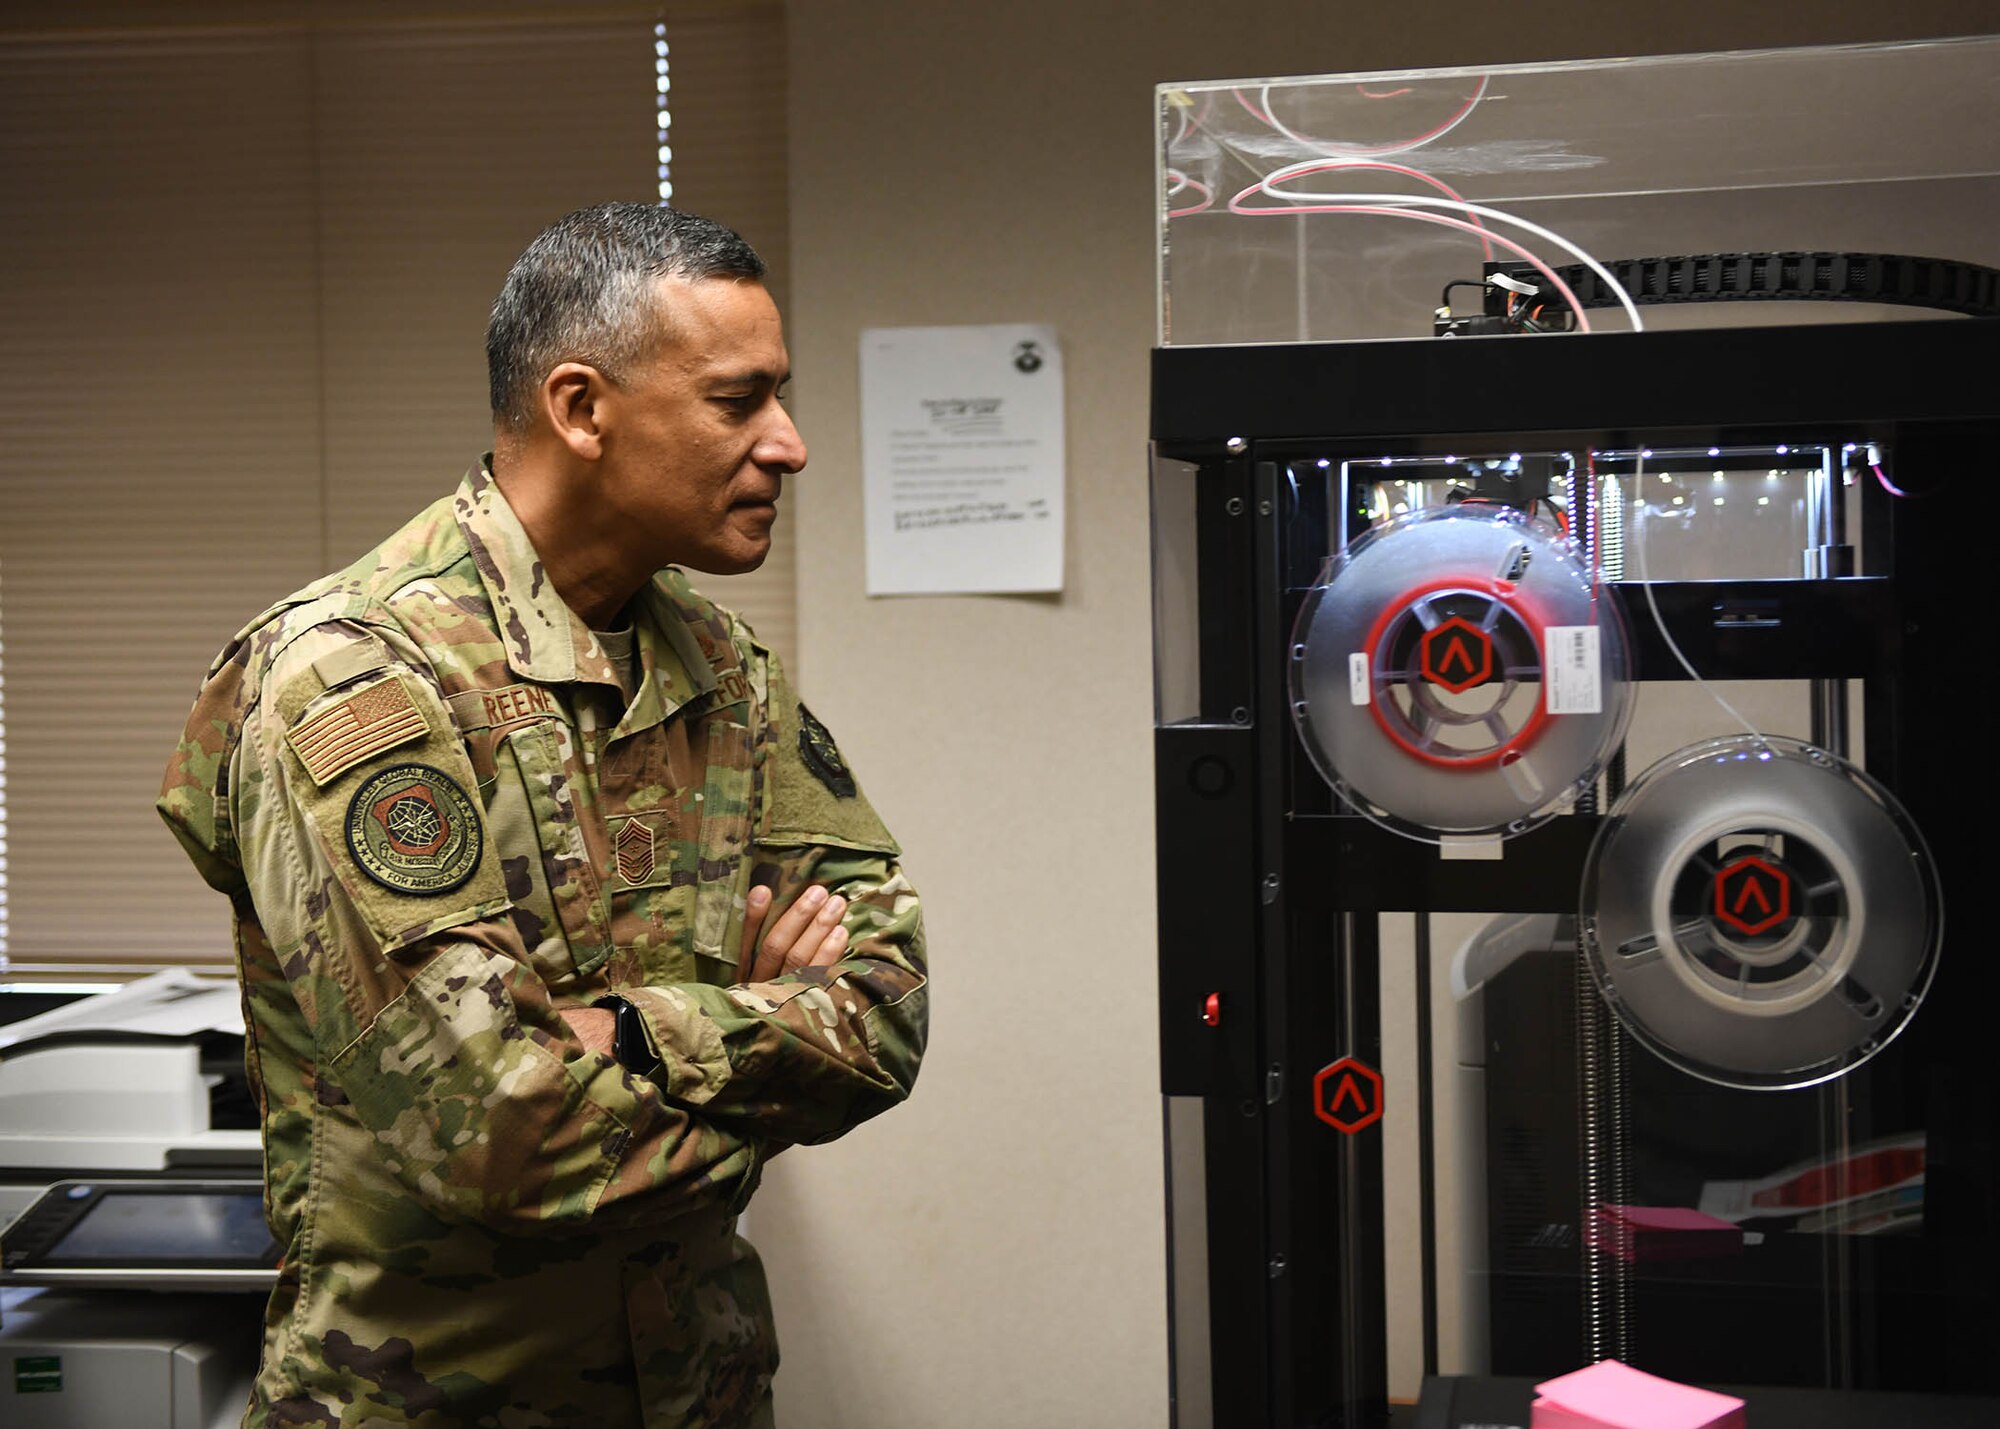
<point x="1563" y="759"/>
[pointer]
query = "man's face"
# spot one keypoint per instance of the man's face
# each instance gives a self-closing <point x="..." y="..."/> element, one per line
<point x="700" y="444"/>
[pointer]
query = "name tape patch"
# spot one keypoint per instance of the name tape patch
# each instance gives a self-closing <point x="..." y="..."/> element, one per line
<point x="499" y="709"/>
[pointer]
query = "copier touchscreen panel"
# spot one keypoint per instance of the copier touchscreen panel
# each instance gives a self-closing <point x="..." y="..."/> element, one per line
<point x="206" y="1235"/>
<point x="123" y="1228"/>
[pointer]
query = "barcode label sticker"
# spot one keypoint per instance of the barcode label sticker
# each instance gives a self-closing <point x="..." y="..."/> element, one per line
<point x="1570" y="669"/>
<point x="1357" y="678"/>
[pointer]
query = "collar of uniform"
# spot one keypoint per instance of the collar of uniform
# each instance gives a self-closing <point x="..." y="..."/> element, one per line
<point x="544" y="638"/>
<point x="673" y="668"/>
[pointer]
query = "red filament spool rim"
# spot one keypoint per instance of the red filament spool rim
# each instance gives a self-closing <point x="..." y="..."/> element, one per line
<point x="1502" y="593"/>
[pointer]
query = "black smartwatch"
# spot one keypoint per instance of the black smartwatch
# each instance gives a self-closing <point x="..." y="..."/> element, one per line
<point x="629" y="1042"/>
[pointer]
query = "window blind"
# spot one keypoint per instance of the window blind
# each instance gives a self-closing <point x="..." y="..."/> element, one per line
<point x="246" y="273"/>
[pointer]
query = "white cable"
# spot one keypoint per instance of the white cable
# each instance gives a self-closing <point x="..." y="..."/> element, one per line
<point x="1278" y="176"/>
<point x="1324" y="146"/>
<point x="1181" y="181"/>
<point x="1395" y="211"/>
<point x="1652" y="601"/>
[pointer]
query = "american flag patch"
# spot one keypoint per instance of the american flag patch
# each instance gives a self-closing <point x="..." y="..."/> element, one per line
<point x="360" y="726"/>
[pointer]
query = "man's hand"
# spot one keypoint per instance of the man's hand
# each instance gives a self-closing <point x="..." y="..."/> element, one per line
<point x="807" y="934"/>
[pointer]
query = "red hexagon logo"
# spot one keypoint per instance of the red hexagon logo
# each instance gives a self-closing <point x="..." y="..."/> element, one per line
<point x="1751" y="895"/>
<point x="1347" y="1095"/>
<point x="1455" y="655"/>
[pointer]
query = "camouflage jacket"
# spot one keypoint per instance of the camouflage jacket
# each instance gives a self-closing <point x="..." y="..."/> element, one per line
<point x="439" y="824"/>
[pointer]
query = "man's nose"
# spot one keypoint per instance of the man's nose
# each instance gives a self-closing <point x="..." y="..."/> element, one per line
<point x="782" y="446"/>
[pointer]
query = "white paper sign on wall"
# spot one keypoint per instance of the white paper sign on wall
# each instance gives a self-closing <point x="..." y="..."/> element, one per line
<point x="962" y="459"/>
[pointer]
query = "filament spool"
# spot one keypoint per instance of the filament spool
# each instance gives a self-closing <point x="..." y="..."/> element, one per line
<point x="1457" y="672"/>
<point x="1760" y="913"/>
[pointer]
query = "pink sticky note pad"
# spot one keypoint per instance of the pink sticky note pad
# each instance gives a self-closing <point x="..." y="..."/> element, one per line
<point x="1668" y="1218"/>
<point x="1616" y="1396"/>
<point x="1545" y="1415"/>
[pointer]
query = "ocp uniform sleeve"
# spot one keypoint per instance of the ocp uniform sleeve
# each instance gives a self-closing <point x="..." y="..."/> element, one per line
<point x="808" y="1056"/>
<point x="347" y="803"/>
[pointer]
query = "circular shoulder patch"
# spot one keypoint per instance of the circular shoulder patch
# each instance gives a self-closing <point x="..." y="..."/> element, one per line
<point x="413" y="830"/>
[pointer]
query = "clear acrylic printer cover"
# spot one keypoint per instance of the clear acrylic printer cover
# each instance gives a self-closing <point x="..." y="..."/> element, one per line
<point x="1850" y="149"/>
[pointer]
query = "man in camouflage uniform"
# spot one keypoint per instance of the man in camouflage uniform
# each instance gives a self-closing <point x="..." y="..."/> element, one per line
<point x="557" y="914"/>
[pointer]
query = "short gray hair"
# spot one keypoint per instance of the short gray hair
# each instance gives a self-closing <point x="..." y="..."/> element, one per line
<point x="583" y="292"/>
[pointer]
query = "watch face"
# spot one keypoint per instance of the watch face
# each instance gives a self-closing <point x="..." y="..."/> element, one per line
<point x="630" y="1046"/>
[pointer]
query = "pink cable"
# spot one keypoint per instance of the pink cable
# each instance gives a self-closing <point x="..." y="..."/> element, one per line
<point x="1422" y="216"/>
<point x="1439" y="184"/>
<point x="1332" y="146"/>
<point x="1485" y="240"/>
<point x="1464" y="109"/>
<point x="1888" y="485"/>
<point x="1259" y="115"/>
<point x="1185" y="182"/>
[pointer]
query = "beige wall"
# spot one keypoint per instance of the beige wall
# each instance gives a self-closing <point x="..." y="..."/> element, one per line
<point x="992" y="1254"/>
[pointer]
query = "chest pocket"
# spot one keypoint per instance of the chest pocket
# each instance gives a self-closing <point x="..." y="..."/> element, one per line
<point x="676" y="873"/>
<point x="566" y="925"/>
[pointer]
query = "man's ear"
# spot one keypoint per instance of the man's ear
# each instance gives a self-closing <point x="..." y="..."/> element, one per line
<point x="573" y="401"/>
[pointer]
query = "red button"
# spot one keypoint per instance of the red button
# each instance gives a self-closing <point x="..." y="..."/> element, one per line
<point x="1211" y="1010"/>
